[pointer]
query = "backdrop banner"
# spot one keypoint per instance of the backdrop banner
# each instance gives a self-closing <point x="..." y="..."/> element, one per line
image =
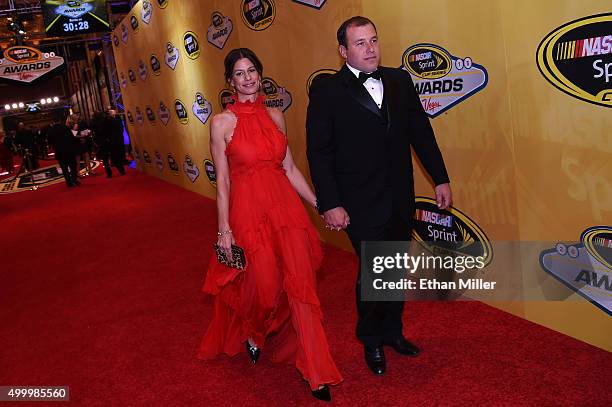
<point x="519" y="94"/>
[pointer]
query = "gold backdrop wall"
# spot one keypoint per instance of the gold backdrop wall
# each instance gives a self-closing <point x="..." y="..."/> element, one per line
<point x="527" y="161"/>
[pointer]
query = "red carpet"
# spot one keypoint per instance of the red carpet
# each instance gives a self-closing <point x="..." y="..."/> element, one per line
<point x="100" y="291"/>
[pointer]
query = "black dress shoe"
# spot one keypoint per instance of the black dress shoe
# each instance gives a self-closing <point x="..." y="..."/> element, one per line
<point x="322" y="393"/>
<point x="402" y="346"/>
<point x="253" y="352"/>
<point x="375" y="359"/>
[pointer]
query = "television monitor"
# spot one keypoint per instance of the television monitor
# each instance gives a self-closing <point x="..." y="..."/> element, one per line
<point x="74" y="17"/>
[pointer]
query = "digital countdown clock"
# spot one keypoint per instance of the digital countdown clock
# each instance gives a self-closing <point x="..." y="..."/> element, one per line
<point x="72" y="17"/>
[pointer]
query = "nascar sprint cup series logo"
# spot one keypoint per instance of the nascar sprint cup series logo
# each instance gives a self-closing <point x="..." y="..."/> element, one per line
<point x="26" y="64"/>
<point x="172" y="55"/>
<point x="146" y="12"/>
<point x="172" y="164"/>
<point x="191" y="45"/>
<point x="137" y="154"/>
<point x="321" y="73"/>
<point x="134" y="23"/>
<point x="585" y="267"/>
<point x="181" y="111"/>
<point x="124" y="33"/>
<point x="201" y="108"/>
<point x="139" y="116"/>
<point x="142" y="70"/>
<point x="576" y="58"/>
<point x="159" y="161"/>
<point x="155" y="65"/>
<point x="163" y="112"/>
<point x="211" y="174"/>
<point x="449" y="232"/>
<point x="72" y="9"/>
<point x="311" y="3"/>
<point x="146" y="157"/>
<point x="258" y="14"/>
<point x="442" y="80"/>
<point x="132" y="76"/>
<point x="191" y="169"/>
<point x="220" y="29"/>
<point x="225" y="97"/>
<point x="150" y="115"/>
<point x="276" y="96"/>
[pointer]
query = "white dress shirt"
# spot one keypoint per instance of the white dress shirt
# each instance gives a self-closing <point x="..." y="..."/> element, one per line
<point x="373" y="86"/>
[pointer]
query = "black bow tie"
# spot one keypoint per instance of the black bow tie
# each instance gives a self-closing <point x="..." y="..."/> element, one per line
<point x="365" y="76"/>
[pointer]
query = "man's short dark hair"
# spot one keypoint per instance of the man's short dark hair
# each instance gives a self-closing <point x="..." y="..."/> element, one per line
<point x="357" y="21"/>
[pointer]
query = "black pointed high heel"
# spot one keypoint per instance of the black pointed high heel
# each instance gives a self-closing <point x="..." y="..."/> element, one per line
<point x="322" y="393"/>
<point x="253" y="352"/>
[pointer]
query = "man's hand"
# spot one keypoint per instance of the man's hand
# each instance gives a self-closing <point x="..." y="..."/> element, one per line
<point x="336" y="218"/>
<point x="444" y="196"/>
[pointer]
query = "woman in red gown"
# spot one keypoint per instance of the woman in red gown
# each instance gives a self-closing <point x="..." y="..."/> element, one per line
<point x="272" y="304"/>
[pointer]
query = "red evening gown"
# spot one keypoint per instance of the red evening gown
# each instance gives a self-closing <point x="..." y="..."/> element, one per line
<point x="274" y="301"/>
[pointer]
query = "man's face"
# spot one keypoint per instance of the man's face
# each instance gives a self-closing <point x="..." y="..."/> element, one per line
<point x="362" y="51"/>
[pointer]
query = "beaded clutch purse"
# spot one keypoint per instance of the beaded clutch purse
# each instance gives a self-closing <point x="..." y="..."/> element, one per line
<point x="238" y="258"/>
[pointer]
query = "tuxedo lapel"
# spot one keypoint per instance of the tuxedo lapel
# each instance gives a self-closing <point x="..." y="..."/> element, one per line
<point x="358" y="92"/>
<point x="390" y="96"/>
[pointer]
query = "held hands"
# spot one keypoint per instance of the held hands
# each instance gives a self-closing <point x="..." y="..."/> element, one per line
<point x="336" y="218"/>
<point x="225" y="242"/>
<point x="444" y="196"/>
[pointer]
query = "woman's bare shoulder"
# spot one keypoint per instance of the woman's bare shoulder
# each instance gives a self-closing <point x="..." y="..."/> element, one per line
<point x="223" y="121"/>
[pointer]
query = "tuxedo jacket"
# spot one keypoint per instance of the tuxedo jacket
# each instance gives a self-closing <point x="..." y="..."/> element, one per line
<point x="360" y="155"/>
<point x="63" y="142"/>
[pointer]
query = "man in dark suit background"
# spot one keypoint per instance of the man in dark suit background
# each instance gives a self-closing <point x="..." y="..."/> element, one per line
<point x="65" y="146"/>
<point x="361" y="125"/>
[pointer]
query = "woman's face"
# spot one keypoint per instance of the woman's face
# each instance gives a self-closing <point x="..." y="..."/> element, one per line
<point x="245" y="78"/>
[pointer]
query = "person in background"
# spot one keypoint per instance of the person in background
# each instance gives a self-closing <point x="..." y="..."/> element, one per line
<point x="114" y="127"/>
<point x="62" y="140"/>
<point x="84" y="143"/>
<point x="102" y="142"/>
<point x="6" y="154"/>
<point x="24" y="139"/>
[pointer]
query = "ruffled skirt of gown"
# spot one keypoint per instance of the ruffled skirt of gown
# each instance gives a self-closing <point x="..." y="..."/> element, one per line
<point x="274" y="301"/>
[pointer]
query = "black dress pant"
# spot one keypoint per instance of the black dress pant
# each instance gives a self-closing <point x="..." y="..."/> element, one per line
<point x="68" y="164"/>
<point x="117" y="159"/>
<point x="378" y="321"/>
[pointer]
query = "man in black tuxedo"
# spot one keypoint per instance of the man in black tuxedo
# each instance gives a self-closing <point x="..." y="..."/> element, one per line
<point x="66" y="148"/>
<point x="361" y="125"/>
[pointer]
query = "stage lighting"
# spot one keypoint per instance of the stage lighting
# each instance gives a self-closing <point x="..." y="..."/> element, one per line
<point x="7" y="107"/>
<point x="14" y="105"/>
<point x="43" y="101"/>
<point x="49" y="100"/>
<point x="56" y="99"/>
<point x="21" y="104"/>
<point x="16" y="27"/>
